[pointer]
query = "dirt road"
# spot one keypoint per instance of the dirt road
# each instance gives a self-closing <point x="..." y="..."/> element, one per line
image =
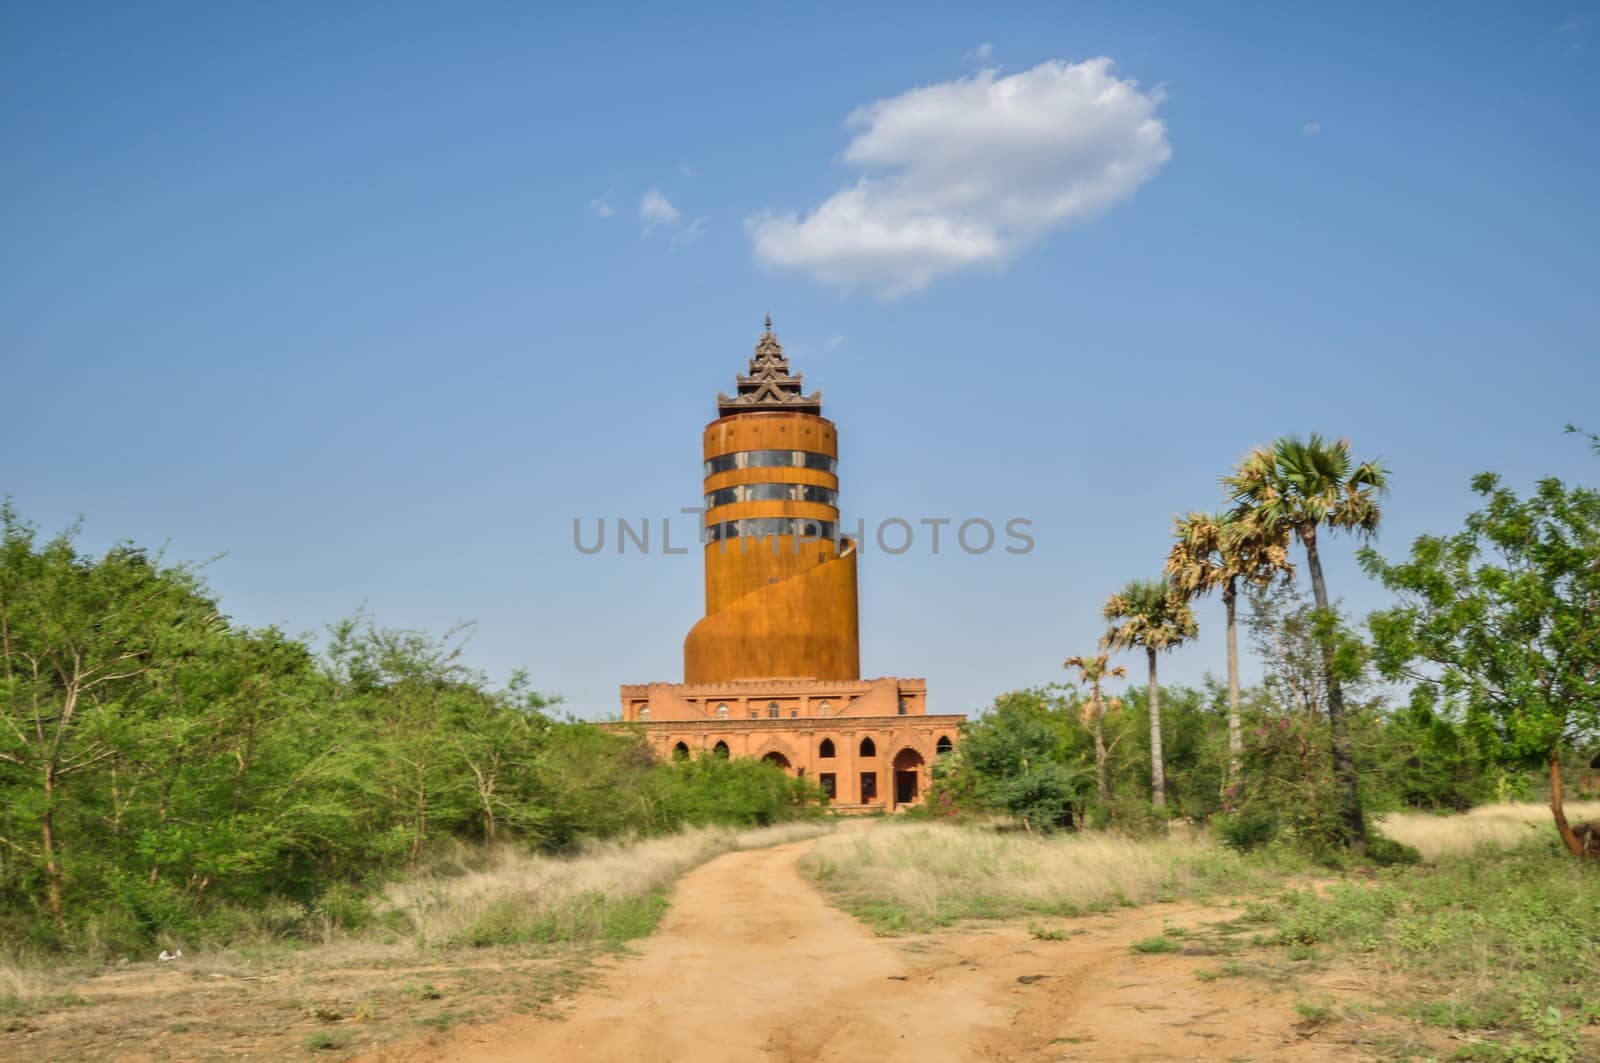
<point x="752" y="964"/>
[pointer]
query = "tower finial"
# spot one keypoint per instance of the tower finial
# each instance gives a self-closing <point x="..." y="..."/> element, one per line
<point x="769" y="320"/>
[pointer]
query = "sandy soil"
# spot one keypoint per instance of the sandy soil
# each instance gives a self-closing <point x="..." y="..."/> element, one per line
<point x="751" y="963"/>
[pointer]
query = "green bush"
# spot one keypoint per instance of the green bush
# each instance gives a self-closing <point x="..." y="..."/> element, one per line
<point x="1246" y="830"/>
<point x="1386" y="852"/>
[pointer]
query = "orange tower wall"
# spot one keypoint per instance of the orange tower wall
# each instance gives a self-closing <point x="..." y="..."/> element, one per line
<point x="779" y="605"/>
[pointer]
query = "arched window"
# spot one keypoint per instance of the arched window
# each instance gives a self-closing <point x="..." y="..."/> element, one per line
<point x="824" y="708"/>
<point x="772" y="710"/>
<point x="904" y="706"/>
<point x="680" y="751"/>
<point x="722" y="712"/>
<point x="944" y="744"/>
<point x="867" y="748"/>
<point x="644" y="712"/>
<point x="825" y="750"/>
<point x="720" y="750"/>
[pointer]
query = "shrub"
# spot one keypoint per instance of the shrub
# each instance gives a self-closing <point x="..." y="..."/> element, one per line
<point x="1386" y="852"/>
<point x="1248" y="829"/>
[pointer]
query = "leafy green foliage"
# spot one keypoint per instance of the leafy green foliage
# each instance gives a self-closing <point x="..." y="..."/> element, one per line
<point x="1247" y="829"/>
<point x="167" y="776"/>
<point x="1498" y="623"/>
<point x="1498" y="619"/>
<point x="1025" y="757"/>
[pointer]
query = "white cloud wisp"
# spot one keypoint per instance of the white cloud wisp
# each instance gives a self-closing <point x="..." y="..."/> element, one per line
<point x="656" y="209"/>
<point x="967" y="172"/>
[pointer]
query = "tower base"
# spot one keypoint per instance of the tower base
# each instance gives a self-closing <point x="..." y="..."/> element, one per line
<point x="869" y="742"/>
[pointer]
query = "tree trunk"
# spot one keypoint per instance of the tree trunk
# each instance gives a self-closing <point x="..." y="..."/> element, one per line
<point x="1102" y="784"/>
<point x="1230" y="595"/>
<point x="1557" y="809"/>
<point x="1352" y="824"/>
<point x="1158" y="771"/>
<point x="47" y="841"/>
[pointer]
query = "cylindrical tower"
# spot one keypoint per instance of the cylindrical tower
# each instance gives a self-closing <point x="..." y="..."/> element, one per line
<point x="780" y="582"/>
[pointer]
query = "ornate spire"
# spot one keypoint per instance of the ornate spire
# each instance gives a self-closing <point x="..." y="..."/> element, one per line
<point x="769" y="385"/>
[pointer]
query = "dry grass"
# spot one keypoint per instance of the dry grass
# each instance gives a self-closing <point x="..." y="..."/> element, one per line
<point x="1492" y="826"/>
<point x="604" y="892"/>
<point x="911" y="877"/>
<point x="542" y="922"/>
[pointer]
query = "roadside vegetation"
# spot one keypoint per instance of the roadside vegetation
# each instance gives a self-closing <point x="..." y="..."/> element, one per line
<point x="169" y="779"/>
<point x="917" y="877"/>
<point x="1502" y="947"/>
<point x="1418" y="780"/>
<point x="1481" y="683"/>
<point x="1487" y="949"/>
<point x="475" y="934"/>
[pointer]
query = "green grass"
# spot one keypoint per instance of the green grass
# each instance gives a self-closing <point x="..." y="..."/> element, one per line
<point x="1157" y="944"/>
<point x="19" y="1007"/>
<point x="590" y="918"/>
<point x="1506" y="945"/>
<point x="327" y="1040"/>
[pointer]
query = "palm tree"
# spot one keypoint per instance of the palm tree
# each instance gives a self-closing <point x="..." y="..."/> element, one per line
<point x="1296" y="485"/>
<point x="1090" y="671"/>
<point x="1154" y="616"/>
<point x="1215" y="552"/>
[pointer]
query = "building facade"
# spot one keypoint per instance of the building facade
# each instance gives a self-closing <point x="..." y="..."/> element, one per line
<point x="773" y="669"/>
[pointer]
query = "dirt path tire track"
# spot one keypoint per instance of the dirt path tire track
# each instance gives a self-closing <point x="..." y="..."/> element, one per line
<point x="751" y="963"/>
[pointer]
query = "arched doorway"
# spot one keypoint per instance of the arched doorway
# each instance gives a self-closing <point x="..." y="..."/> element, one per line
<point x="777" y="758"/>
<point x="720" y="750"/>
<point x="680" y="751"/>
<point x="907" y="776"/>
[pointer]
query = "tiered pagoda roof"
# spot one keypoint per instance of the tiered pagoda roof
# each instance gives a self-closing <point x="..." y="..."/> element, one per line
<point x="770" y="385"/>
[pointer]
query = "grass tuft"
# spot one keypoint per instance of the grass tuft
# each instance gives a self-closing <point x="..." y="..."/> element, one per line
<point x="607" y="894"/>
<point x="1489" y="827"/>
<point x="907" y="878"/>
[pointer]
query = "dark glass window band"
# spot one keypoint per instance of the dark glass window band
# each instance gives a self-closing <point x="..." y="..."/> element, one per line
<point x="771" y="459"/>
<point x="763" y="527"/>
<point x="772" y="493"/>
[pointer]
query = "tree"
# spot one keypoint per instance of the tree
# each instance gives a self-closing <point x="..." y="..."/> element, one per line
<point x="81" y="641"/>
<point x="1290" y="634"/>
<point x="1501" y="621"/>
<point x="1091" y="670"/>
<point x="1297" y="486"/>
<point x="1149" y="613"/>
<point x="1215" y="552"/>
<point x="1022" y="758"/>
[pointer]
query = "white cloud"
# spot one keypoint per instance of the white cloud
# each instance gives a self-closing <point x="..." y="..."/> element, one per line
<point x="688" y="233"/>
<point x="656" y="209"/>
<point x="967" y="172"/>
<point x="981" y="53"/>
<point x="685" y="169"/>
<point x="601" y="206"/>
<point x="1312" y="129"/>
<point x="834" y="341"/>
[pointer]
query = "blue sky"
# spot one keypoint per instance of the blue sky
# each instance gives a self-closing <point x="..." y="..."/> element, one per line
<point x="362" y="297"/>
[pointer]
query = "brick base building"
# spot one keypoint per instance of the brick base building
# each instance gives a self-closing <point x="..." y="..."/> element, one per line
<point x="869" y="742"/>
